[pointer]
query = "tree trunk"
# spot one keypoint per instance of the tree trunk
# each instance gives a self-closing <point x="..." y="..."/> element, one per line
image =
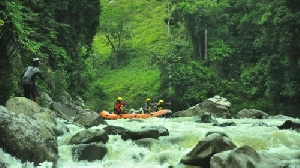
<point x="116" y="60"/>
<point x="199" y="44"/>
<point x="205" y="47"/>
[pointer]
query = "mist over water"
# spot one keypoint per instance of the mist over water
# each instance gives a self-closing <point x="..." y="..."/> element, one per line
<point x="184" y="134"/>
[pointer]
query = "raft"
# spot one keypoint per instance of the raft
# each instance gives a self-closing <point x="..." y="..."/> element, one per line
<point x="107" y="115"/>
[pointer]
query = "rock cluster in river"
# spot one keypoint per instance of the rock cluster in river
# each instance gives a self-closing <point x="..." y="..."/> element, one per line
<point x="29" y="132"/>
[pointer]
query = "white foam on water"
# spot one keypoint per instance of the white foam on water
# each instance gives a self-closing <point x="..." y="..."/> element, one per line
<point x="184" y="134"/>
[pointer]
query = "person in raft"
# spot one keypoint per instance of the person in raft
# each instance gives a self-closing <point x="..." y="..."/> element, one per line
<point x="120" y="106"/>
<point x="148" y="107"/>
<point x="161" y="105"/>
<point x="28" y="78"/>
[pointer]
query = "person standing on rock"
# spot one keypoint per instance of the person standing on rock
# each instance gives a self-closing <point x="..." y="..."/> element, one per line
<point x="28" y="78"/>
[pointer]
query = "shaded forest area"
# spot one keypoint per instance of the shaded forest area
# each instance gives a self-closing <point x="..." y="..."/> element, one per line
<point x="59" y="32"/>
<point x="244" y="50"/>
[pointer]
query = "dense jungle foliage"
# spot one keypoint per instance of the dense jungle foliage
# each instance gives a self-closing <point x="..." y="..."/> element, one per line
<point x="182" y="51"/>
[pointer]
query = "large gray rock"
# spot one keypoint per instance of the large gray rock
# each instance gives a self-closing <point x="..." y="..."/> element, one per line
<point x="217" y="106"/>
<point x="146" y="142"/>
<point x="252" y="113"/>
<point x="221" y="101"/>
<point x="244" y="157"/>
<point x="289" y="124"/>
<point x="114" y="130"/>
<point x="24" y="106"/>
<point x="63" y="110"/>
<point x="89" y="152"/>
<point x="26" y="138"/>
<point x="46" y="100"/>
<point x="136" y="135"/>
<point x="213" y="143"/>
<point x="162" y="130"/>
<point x="89" y="119"/>
<point x="89" y="136"/>
<point x="206" y="118"/>
<point x="45" y="116"/>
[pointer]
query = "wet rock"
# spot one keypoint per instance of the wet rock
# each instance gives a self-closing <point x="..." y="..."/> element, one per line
<point x="206" y="118"/>
<point x="225" y="124"/>
<point x="89" y="152"/>
<point x="289" y="124"/>
<point x="252" y="113"/>
<point x="244" y="156"/>
<point x="89" y="119"/>
<point x="216" y="108"/>
<point x="45" y="116"/>
<point x="46" y="100"/>
<point x="136" y="135"/>
<point x="206" y="148"/>
<point x="259" y="124"/>
<point x="162" y="130"/>
<point x="89" y="136"/>
<point x="220" y="101"/>
<point x="3" y="165"/>
<point x="26" y="138"/>
<point x="280" y="116"/>
<point x="216" y="132"/>
<point x="63" y="110"/>
<point x="146" y="142"/>
<point x="114" y="130"/>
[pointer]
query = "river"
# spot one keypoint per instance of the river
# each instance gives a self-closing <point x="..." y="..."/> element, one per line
<point x="184" y="134"/>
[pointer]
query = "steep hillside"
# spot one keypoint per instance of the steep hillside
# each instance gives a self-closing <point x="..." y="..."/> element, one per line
<point x="139" y="78"/>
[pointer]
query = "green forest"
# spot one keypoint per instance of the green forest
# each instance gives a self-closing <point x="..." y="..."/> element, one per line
<point x="182" y="51"/>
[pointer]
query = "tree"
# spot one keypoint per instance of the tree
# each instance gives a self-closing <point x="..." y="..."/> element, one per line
<point x="116" y="24"/>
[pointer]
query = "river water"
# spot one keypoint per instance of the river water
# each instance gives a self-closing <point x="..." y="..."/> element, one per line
<point x="184" y="134"/>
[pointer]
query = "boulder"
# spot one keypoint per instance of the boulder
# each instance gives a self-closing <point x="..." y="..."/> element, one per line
<point x="43" y="115"/>
<point x="244" y="156"/>
<point x="225" y="124"/>
<point x="89" y="136"/>
<point x="280" y="116"/>
<point x="46" y="100"/>
<point x="89" y="119"/>
<point x="221" y="101"/>
<point x="162" y="130"/>
<point x="206" y="118"/>
<point x="27" y="139"/>
<point x="63" y="110"/>
<point x="211" y="144"/>
<point x="146" y="142"/>
<point x="136" y="135"/>
<point x="216" y="106"/>
<point x="24" y="106"/>
<point x="114" y="130"/>
<point x="289" y="124"/>
<point x="89" y="152"/>
<point x="252" y="113"/>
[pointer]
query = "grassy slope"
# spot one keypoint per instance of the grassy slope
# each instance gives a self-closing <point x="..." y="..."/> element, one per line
<point x="139" y="79"/>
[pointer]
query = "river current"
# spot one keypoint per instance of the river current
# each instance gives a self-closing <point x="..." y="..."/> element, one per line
<point x="184" y="134"/>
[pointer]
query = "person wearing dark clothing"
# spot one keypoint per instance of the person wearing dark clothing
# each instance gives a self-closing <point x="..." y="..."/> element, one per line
<point x="28" y="78"/>
<point x="148" y="107"/>
<point x="119" y="106"/>
<point x="161" y="105"/>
